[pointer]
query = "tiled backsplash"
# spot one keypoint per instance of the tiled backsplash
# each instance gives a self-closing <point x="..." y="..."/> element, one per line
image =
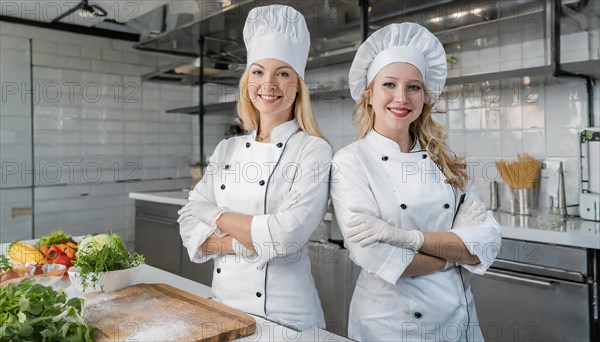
<point x="95" y="123"/>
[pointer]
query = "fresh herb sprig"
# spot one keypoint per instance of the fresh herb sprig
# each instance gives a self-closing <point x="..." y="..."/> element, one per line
<point x="102" y="254"/>
<point x="32" y="312"/>
<point x="5" y="263"/>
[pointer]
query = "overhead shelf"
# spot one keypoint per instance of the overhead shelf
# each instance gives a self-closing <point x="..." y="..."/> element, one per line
<point x="169" y="74"/>
<point x="317" y="95"/>
<point x="209" y="109"/>
<point x="590" y="67"/>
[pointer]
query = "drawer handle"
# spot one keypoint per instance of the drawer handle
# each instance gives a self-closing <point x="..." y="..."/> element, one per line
<point x="523" y="280"/>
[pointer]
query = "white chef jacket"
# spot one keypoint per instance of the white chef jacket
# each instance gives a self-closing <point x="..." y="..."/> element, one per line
<point x="253" y="178"/>
<point x="409" y="191"/>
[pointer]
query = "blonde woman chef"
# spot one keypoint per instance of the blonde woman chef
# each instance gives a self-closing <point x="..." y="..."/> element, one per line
<point x="267" y="190"/>
<point x="397" y="192"/>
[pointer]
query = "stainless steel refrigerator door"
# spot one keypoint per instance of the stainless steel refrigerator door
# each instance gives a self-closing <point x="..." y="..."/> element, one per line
<point x="516" y="307"/>
<point x="335" y="278"/>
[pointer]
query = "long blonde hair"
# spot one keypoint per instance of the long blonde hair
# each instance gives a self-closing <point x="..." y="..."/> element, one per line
<point x="302" y="110"/>
<point x="431" y="135"/>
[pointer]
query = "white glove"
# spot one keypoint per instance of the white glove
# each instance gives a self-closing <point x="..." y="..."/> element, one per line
<point x="470" y="213"/>
<point x="449" y="264"/>
<point x="367" y="229"/>
<point x="241" y="250"/>
<point x="291" y="198"/>
<point x="203" y="211"/>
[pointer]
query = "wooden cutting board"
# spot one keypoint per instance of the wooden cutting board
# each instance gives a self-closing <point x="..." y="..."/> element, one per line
<point x="159" y="312"/>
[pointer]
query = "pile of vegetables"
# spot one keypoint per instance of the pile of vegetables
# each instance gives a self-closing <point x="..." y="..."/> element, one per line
<point x="32" y="312"/>
<point x="21" y="261"/>
<point x="92" y="257"/>
<point x="22" y="253"/>
<point x="58" y="248"/>
<point x="102" y="253"/>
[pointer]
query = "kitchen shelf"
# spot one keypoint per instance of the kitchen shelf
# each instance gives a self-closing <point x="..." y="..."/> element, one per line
<point x="168" y="74"/>
<point x="192" y="110"/>
<point x="328" y="59"/>
<point x="329" y="95"/>
<point x="590" y="67"/>
<point x="316" y="95"/>
<point x="209" y="109"/>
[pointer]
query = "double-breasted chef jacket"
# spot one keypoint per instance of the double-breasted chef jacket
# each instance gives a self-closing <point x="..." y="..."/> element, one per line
<point x="407" y="190"/>
<point x="253" y="178"/>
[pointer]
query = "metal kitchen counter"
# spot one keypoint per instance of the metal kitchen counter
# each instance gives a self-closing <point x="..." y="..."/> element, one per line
<point x="175" y="197"/>
<point x="574" y="232"/>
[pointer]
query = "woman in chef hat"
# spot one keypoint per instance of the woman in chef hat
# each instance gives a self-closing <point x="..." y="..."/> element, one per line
<point x="399" y="197"/>
<point x="265" y="193"/>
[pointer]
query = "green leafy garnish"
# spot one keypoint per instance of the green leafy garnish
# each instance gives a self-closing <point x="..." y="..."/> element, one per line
<point x="32" y="312"/>
<point x="103" y="253"/>
<point x="5" y="263"/>
<point x="55" y="238"/>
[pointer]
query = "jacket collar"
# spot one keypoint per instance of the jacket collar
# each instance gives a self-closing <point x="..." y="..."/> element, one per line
<point x="281" y="133"/>
<point x="388" y="144"/>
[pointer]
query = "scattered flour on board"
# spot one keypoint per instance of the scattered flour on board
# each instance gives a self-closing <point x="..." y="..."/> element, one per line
<point x="161" y="331"/>
<point x="153" y="319"/>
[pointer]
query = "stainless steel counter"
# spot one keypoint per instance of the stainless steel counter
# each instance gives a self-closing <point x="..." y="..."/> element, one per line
<point x="541" y="227"/>
<point x="546" y="228"/>
<point x="175" y="197"/>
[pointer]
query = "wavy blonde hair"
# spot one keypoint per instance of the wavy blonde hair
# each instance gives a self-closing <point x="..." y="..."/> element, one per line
<point x="302" y="110"/>
<point x="431" y="135"/>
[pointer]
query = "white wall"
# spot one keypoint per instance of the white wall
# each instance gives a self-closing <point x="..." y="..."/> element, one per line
<point x="96" y="123"/>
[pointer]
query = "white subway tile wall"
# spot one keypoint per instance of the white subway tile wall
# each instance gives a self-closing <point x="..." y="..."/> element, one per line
<point x="95" y="123"/>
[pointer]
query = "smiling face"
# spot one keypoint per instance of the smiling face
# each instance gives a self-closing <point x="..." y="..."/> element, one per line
<point x="397" y="98"/>
<point x="272" y="88"/>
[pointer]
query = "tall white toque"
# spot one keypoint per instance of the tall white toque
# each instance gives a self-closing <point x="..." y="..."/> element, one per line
<point x="279" y="32"/>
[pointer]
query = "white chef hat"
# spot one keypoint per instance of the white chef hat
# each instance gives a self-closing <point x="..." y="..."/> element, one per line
<point x="279" y="32"/>
<point x="406" y="42"/>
